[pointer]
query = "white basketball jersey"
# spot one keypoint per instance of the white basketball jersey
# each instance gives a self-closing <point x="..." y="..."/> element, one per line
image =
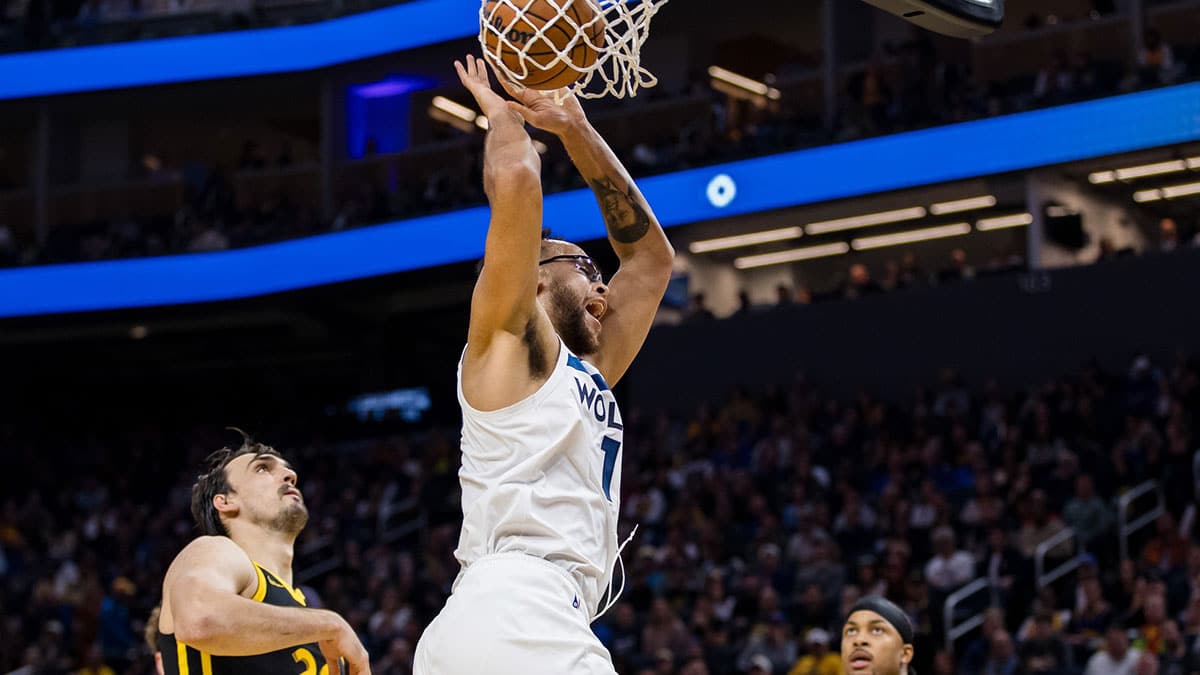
<point x="543" y="477"/>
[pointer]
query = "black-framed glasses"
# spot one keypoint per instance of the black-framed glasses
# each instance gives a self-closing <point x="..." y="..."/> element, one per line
<point x="586" y="266"/>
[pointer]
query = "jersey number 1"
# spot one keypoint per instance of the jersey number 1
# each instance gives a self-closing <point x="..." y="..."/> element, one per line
<point x="611" y="447"/>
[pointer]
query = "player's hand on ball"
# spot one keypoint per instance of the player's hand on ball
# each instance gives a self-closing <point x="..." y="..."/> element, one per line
<point x="344" y="644"/>
<point x="554" y="111"/>
<point x="474" y="77"/>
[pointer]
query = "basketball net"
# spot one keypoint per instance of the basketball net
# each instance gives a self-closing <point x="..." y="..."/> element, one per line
<point x="618" y="54"/>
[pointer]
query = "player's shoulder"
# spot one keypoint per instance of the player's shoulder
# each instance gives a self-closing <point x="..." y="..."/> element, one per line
<point x="213" y="551"/>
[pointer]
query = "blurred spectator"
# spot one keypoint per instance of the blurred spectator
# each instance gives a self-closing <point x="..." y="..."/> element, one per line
<point x="872" y="96"/>
<point x="1117" y="658"/>
<point x="698" y="310"/>
<point x="1043" y="651"/>
<point x="950" y="568"/>
<point x="819" y="660"/>
<point x="1002" y="658"/>
<point x="975" y="655"/>
<point x="1086" y="513"/>
<point x="1168" y="235"/>
<point x="1038" y="524"/>
<point x="960" y="269"/>
<point x="1155" y="61"/>
<point x="1056" y="82"/>
<point x="859" y="283"/>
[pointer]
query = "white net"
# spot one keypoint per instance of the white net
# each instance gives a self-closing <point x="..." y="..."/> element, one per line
<point x="524" y="40"/>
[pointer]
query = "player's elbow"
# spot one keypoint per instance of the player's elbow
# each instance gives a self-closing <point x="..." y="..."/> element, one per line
<point x="198" y="627"/>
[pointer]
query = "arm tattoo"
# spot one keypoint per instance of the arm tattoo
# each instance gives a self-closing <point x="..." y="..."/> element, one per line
<point x="627" y="221"/>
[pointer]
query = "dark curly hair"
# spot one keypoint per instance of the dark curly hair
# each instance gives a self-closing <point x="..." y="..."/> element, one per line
<point x="214" y="481"/>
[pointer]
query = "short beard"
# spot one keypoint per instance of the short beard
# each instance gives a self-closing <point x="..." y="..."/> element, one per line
<point x="570" y="322"/>
<point x="291" y="520"/>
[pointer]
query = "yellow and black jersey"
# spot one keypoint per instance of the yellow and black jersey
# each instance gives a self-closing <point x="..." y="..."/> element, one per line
<point x="180" y="659"/>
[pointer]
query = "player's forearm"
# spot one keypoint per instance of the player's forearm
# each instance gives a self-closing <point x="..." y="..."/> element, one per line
<point x="508" y="152"/>
<point x="230" y="625"/>
<point x="632" y="226"/>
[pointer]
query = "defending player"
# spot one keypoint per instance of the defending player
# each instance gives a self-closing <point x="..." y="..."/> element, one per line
<point x="228" y="605"/>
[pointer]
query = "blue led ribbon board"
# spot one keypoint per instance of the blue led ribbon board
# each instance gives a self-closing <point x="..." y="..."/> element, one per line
<point x="237" y="54"/>
<point x="998" y="145"/>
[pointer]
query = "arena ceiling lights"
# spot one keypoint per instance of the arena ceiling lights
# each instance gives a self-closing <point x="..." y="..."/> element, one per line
<point x="792" y="255"/>
<point x="1171" y="192"/>
<point x="1004" y="222"/>
<point x="911" y="237"/>
<point x="1144" y="171"/>
<point x="960" y="205"/>
<point x="866" y="220"/>
<point x="750" y="239"/>
<point x="724" y="79"/>
<point x="1048" y="137"/>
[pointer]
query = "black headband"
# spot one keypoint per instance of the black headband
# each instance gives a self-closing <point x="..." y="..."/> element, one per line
<point x="890" y="613"/>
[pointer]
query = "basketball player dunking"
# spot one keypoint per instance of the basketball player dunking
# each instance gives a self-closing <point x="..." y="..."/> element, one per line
<point x="541" y="439"/>
<point x="228" y="605"/>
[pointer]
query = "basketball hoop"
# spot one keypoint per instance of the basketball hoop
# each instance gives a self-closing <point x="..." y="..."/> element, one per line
<point x="615" y="30"/>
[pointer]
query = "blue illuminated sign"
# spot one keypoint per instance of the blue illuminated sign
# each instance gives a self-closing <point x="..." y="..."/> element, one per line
<point x="998" y="145"/>
<point x="237" y="54"/>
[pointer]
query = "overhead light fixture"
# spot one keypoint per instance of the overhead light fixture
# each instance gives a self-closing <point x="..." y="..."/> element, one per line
<point x="911" y="237"/>
<point x="1059" y="211"/>
<point x="1003" y="222"/>
<point x="744" y="83"/>
<point x="792" y="255"/>
<point x="960" y="205"/>
<point x="1142" y="171"/>
<point x="1169" y="192"/>
<point x="748" y="239"/>
<point x="868" y="220"/>
<point x="1185" y="190"/>
<point x="454" y="108"/>
<point x="1193" y="162"/>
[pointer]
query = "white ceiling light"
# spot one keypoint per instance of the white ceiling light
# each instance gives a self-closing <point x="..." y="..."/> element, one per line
<point x="1169" y="192"/>
<point x="1158" y="169"/>
<point x="1185" y="190"/>
<point x="960" y="205"/>
<point x="742" y="82"/>
<point x="454" y="108"/>
<point x="748" y="239"/>
<point x="1002" y="222"/>
<point x="912" y="236"/>
<point x="793" y="255"/>
<point x="868" y="220"/>
<point x="1142" y="171"/>
<point x="1193" y="162"/>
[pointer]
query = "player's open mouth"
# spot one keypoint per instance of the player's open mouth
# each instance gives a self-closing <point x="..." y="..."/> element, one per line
<point x="596" y="307"/>
<point x="860" y="660"/>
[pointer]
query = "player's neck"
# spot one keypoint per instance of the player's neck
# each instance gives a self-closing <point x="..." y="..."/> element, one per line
<point x="273" y="550"/>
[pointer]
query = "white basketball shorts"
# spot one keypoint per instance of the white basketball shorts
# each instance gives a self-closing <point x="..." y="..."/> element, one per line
<point x="513" y="614"/>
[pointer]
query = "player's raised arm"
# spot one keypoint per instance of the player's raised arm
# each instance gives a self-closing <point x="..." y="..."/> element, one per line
<point x="505" y="294"/>
<point x="204" y="606"/>
<point x="634" y="232"/>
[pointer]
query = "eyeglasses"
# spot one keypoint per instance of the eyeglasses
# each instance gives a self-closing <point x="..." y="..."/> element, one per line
<point x="586" y="266"/>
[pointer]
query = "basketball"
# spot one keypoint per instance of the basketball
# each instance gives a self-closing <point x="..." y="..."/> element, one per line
<point x="519" y="22"/>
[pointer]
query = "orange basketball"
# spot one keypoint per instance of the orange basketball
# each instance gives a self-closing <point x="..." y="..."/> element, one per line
<point x="520" y="20"/>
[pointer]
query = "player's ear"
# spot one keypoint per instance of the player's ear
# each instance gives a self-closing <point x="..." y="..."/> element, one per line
<point x="224" y="505"/>
<point x="906" y="655"/>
